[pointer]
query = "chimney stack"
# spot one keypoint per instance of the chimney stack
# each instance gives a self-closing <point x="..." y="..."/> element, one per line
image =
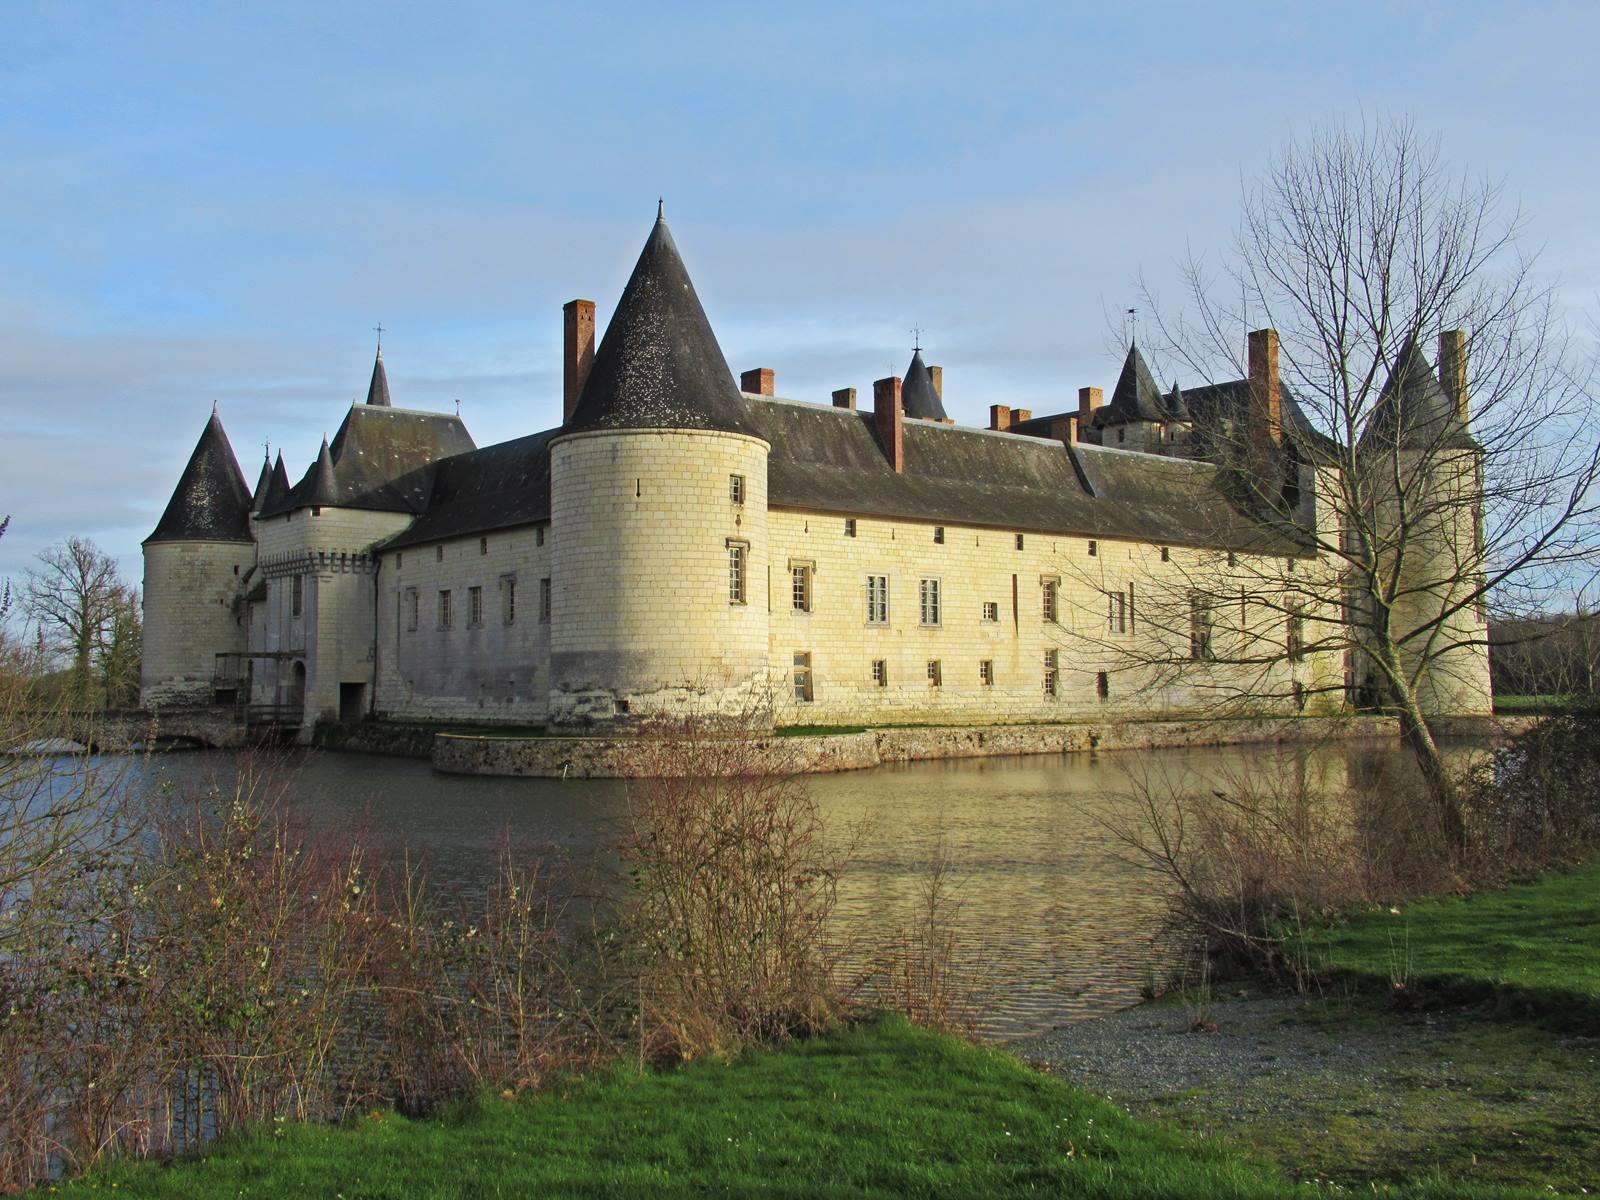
<point x="1453" y="368"/>
<point x="845" y="398"/>
<point x="1266" y="396"/>
<point x="1065" y="429"/>
<point x="1089" y="400"/>
<point x="1021" y="414"/>
<point x="999" y="417"/>
<point x="577" y="352"/>
<point x="890" y="421"/>
<point x="937" y="375"/>
<point x="757" y="381"/>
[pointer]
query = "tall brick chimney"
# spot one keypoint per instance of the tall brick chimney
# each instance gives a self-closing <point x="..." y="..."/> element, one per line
<point x="936" y="374"/>
<point x="1000" y="417"/>
<point x="1453" y="368"/>
<point x="757" y="381"/>
<point x="1089" y="399"/>
<point x="890" y="421"/>
<point x="577" y="352"/>
<point x="845" y="398"/>
<point x="1266" y="394"/>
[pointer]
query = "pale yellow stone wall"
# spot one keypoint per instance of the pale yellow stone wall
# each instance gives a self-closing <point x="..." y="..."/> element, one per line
<point x="494" y="670"/>
<point x="643" y="618"/>
<point x="1143" y="652"/>
<point x="189" y="617"/>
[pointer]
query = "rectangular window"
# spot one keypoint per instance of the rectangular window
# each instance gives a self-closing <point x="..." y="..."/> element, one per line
<point x="474" y="606"/>
<point x="736" y="488"/>
<point x="802" y="676"/>
<point x="444" y="610"/>
<point x="991" y="611"/>
<point x="1050" y="673"/>
<point x="1166" y="554"/>
<point x="1296" y="636"/>
<point x="877" y="599"/>
<point x="438" y="553"/>
<point x="935" y="673"/>
<point x="483" y="545"/>
<point x="544" y="599"/>
<point x="938" y="535"/>
<point x="297" y="602"/>
<point x="986" y="672"/>
<point x="929" y="596"/>
<point x="538" y="535"/>
<point x="1019" y="541"/>
<point x="1094" y="549"/>
<point x="736" y="557"/>
<point x="1052" y="600"/>
<point x="800" y="587"/>
<point x="880" y="672"/>
<point x="508" y="599"/>
<point x="413" y="605"/>
<point x="1200" y="627"/>
<point x="849" y="527"/>
<point x="1116" y="612"/>
<point x="399" y="560"/>
<point x="1102" y="684"/>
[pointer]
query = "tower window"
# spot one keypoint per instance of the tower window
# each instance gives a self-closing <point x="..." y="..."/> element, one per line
<point x="544" y="599"/>
<point x="1200" y="627"/>
<point x="399" y="560"/>
<point x="1296" y="638"/>
<point x="444" y="609"/>
<point x="438" y="553"/>
<point x="483" y="545"/>
<point x="508" y="599"/>
<point x="1051" y="661"/>
<point x="736" y="572"/>
<point x="538" y="535"/>
<point x="849" y="527"/>
<point x="1116" y="612"/>
<point x="1102" y="684"/>
<point x="413" y="605"/>
<point x="297" y="600"/>
<point x="938" y="535"/>
<point x="991" y="611"/>
<point x="1094" y="549"/>
<point x="1019" y="541"/>
<point x="800" y="586"/>
<point x="736" y="488"/>
<point x="880" y="672"/>
<point x="935" y="673"/>
<point x="986" y="672"/>
<point x="1052" y="601"/>
<point x="474" y="607"/>
<point x="1166" y="554"/>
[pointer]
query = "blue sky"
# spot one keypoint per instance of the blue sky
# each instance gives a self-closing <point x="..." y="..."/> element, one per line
<point x="217" y="203"/>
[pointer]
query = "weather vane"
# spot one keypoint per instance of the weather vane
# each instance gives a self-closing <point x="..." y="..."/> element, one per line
<point x="1130" y="325"/>
<point x="378" y="329"/>
<point x="916" y="338"/>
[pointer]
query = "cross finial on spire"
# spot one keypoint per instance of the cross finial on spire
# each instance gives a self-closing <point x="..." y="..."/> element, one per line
<point x="916" y="338"/>
<point x="213" y="408"/>
<point x="661" y="209"/>
<point x="1130" y="325"/>
<point x="266" y="450"/>
<point x="378" y="329"/>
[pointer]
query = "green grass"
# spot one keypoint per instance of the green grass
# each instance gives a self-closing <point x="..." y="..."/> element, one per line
<point x="880" y="1110"/>
<point x="816" y="730"/>
<point x="1532" y="705"/>
<point x="1532" y="943"/>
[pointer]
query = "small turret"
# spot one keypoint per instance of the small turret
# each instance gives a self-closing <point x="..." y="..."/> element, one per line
<point x="321" y="487"/>
<point x="378" y="389"/>
<point x="212" y="501"/>
<point x="918" y="395"/>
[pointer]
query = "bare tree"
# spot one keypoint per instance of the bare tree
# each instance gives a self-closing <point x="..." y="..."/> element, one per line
<point x="1396" y="501"/>
<point x="118" y="654"/>
<point x="73" y="597"/>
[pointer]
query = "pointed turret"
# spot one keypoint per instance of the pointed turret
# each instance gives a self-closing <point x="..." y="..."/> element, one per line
<point x="212" y="501"/>
<point x="1414" y="410"/>
<point x="918" y="396"/>
<point x="1177" y="408"/>
<point x="279" y="488"/>
<point x="659" y="365"/>
<point x="1137" y="396"/>
<point x="258" y="498"/>
<point x="320" y="485"/>
<point x="378" y="389"/>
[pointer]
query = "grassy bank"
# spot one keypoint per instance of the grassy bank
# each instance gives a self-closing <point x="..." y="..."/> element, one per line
<point x="1533" y="944"/>
<point x="880" y="1110"/>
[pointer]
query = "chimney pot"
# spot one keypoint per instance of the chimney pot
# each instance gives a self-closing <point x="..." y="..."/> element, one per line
<point x="890" y="421"/>
<point x="845" y="398"/>
<point x="577" y="353"/>
<point x="757" y="381"/>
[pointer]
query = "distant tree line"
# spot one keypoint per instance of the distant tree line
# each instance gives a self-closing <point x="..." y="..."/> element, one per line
<point x="1546" y="655"/>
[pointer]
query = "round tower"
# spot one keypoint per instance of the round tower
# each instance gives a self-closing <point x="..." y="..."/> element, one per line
<point x="193" y="562"/>
<point x="659" y="557"/>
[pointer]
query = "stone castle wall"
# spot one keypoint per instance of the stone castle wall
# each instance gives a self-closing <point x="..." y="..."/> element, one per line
<point x="189" y="617"/>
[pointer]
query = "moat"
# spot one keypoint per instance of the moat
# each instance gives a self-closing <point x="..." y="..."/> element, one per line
<point x="1059" y="923"/>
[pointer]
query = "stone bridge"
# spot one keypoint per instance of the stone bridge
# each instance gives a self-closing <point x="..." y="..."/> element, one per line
<point x="214" y="726"/>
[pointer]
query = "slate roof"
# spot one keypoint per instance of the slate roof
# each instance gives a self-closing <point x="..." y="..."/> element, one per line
<point x="918" y="396"/>
<point x="1414" y="408"/>
<point x="263" y="485"/>
<point x="1136" y="396"/>
<point x="827" y="459"/>
<point x="379" y="459"/>
<point x="378" y="389"/>
<point x="278" y="489"/>
<point x="212" y="501"/>
<point x="659" y="365"/>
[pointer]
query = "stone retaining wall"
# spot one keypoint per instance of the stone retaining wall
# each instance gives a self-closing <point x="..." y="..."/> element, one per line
<point x="620" y="758"/>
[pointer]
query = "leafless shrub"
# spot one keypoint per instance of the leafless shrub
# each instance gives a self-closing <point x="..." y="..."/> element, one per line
<point x="925" y="975"/>
<point x="1536" y="802"/>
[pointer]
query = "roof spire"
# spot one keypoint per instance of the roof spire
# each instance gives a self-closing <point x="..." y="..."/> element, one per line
<point x="212" y="501"/>
<point x="378" y="389"/>
<point x="661" y="210"/>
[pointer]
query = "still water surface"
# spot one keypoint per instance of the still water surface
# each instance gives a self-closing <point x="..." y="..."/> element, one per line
<point x="1052" y="915"/>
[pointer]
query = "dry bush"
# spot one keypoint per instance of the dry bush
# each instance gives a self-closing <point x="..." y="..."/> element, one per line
<point x="1267" y="849"/>
<point x="925" y="975"/>
<point x="1536" y="802"/>
<point x="732" y="883"/>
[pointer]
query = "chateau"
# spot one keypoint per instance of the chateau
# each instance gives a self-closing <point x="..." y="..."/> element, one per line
<point x="683" y="544"/>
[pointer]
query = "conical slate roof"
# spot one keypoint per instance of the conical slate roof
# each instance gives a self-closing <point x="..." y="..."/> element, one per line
<point x="278" y="489"/>
<point x="1414" y="410"/>
<point x="1177" y="408"/>
<point x="659" y="365"/>
<point x="258" y="498"/>
<point x="918" y="396"/>
<point x="319" y="486"/>
<point x="212" y="501"/>
<point x="1137" y="396"/>
<point x="378" y="389"/>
